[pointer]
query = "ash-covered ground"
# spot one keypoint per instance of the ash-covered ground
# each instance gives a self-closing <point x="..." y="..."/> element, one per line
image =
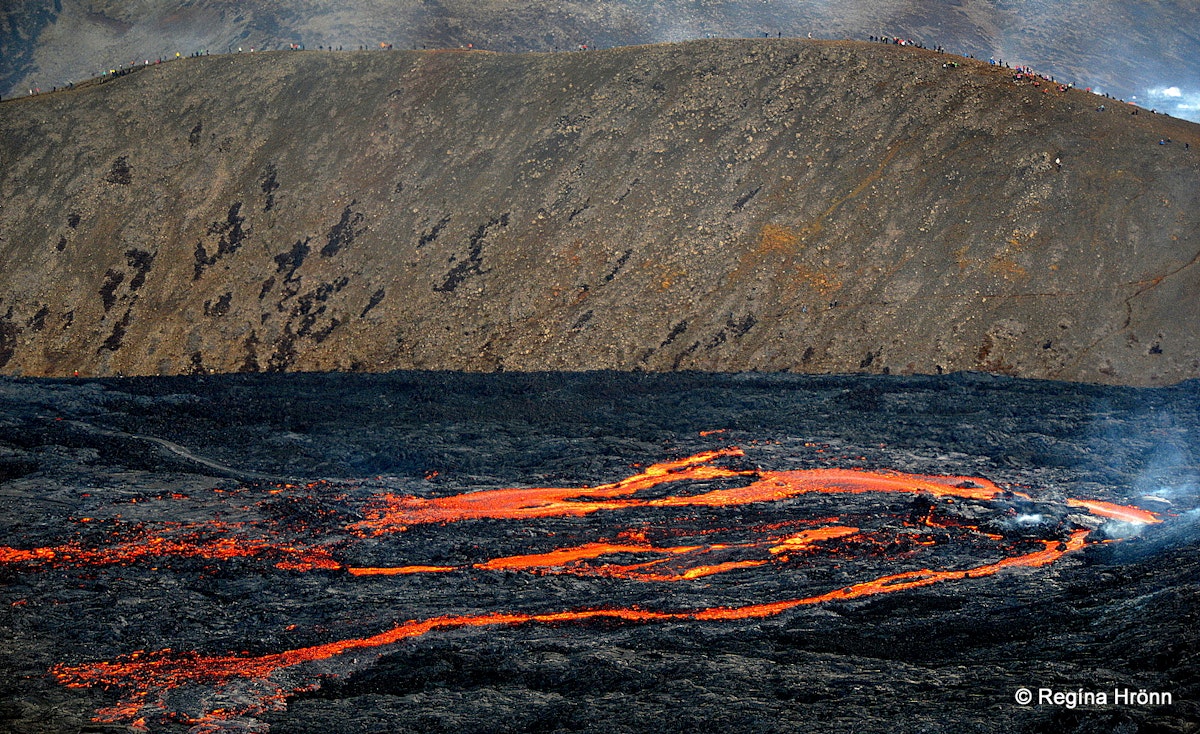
<point x="600" y="552"/>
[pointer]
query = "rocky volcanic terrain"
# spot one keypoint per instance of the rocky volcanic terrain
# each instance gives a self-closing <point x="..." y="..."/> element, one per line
<point x="645" y="547"/>
<point x="367" y="553"/>
<point x="717" y="205"/>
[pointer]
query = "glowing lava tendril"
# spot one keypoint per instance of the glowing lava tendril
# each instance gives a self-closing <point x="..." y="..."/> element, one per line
<point x="147" y="676"/>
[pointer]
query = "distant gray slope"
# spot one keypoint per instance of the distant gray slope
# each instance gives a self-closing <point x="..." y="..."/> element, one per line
<point x="1127" y="49"/>
<point x="21" y="25"/>
<point x="716" y="205"/>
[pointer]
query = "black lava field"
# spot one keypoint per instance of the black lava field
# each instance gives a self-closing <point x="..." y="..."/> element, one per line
<point x="598" y="552"/>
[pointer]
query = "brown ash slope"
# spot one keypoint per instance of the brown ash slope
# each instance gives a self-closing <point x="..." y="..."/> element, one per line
<point x="716" y="205"/>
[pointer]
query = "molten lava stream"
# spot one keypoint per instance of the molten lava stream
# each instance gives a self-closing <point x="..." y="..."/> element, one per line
<point x="1122" y="513"/>
<point x="566" y="560"/>
<point x="295" y="558"/>
<point x="395" y="513"/>
<point x="161" y="671"/>
<point x="397" y="570"/>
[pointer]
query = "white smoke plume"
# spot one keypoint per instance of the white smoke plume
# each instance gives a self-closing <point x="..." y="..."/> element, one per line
<point x="1174" y="101"/>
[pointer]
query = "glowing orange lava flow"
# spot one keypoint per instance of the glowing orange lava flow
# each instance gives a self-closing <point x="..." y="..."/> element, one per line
<point x="398" y="512"/>
<point x="163" y="670"/>
<point x="392" y="513"/>
<point x="695" y="572"/>
<point x="898" y="582"/>
<point x="398" y="570"/>
<point x="563" y="556"/>
<point x="805" y="539"/>
<point x="1122" y="513"/>
<point x="395" y="513"/>
<point x="121" y="554"/>
<point x="781" y="485"/>
<point x="565" y="560"/>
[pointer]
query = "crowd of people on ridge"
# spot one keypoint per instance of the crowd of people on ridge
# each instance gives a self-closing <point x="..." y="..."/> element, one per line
<point x="1022" y="74"/>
